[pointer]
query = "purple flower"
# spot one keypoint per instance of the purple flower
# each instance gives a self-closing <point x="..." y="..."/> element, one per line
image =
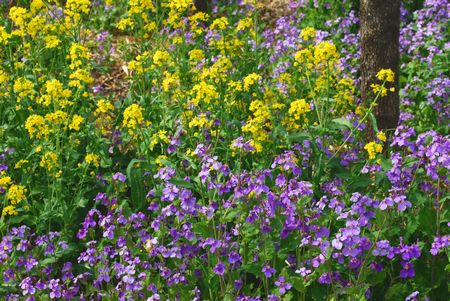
<point x="219" y="269"/>
<point x="234" y="257"/>
<point x="439" y="243"/>
<point x="303" y="271"/>
<point x="118" y="176"/>
<point x="268" y="270"/>
<point x="283" y="286"/>
<point x="408" y="270"/>
<point x="27" y="287"/>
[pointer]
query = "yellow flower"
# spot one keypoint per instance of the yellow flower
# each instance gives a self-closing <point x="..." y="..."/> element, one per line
<point x="76" y="121"/>
<point x="19" y="15"/>
<point x="379" y="89"/>
<point x="158" y="160"/>
<point x="204" y="92"/>
<point x="324" y="52"/>
<point x="80" y="75"/>
<point x="299" y="108"/>
<point x="49" y="161"/>
<point x="4" y="36"/>
<point x="36" y="126"/>
<point x="19" y="164"/>
<point x="93" y="159"/>
<point x="132" y="118"/>
<point x="381" y="136"/>
<point x="35" y="25"/>
<point x="196" y="55"/>
<point x="199" y="121"/>
<point x="386" y="75"/>
<point x="23" y="87"/>
<point x="250" y="80"/>
<point x="161" y="57"/>
<point x="9" y="210"/>
<point x="219" y="23"/>
<point x="16" y="194"/>
<point x="57" y="118"/>
<point x="51" y="41"/>
<point x="77" y="54"/>
<point x="308" y="33"/>
<point x="244" y="24"/>
<point x="103" y="107"/>
<point x="37" y="6"/>
<point x="373" y="148"/>
<point x="125" y="23"/>
<point x="5" y="181"/>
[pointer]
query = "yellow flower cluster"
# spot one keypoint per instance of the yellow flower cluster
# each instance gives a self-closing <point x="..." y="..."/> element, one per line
<point x="133" y="118"/>
<point x="24" y="88"/>
<point x="92" y="159"/>
<point x="298" y="109"/>
<point x="36" y="126"/>
<point x="250" y="80"/>
<point x="52" y="41"/>
<point x="76" y="8"/>
<point x="373" y="148"/>
<point x="381" y="136"/>
<point x="177" y="9"/>
<point x="16" y="194"/>
<point x="381" y="89"/>
<point x="218" y="72"/>
<point x="104" y="114"/>
<point x="76" y="122"/>
<point x="204" y="92"/>
<point x="9" y="210"/>
<point x="308" y="33"/>
<point x="259" y="124"/>
<point x="195" y="56"/>
<point x="386" y="75"/>
<point x="80" y="76"/>
<point x="219" y="23"/>
<point x="4" y="36"/>
<point x="161" y="57"/>
<point x="55" y="94"/>
<point x="170" y="80"/>
<point x="138" y="64"/>
<point x="49" y="161"/>
<point x="196" y="20"/>
<point x="4" y="180"/>
<point x="200" y="121"/>
<point x="139" y="6"/>
<point x="325" y="52"/>
<point x="159" y="137"/>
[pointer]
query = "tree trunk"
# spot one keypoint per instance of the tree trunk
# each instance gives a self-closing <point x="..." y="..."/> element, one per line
<point x="201" y="5"/>
<point x="380" y="30"/>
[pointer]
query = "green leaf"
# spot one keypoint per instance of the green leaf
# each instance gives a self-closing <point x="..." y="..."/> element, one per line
<point x="136" y="182"/>
<point x="181" y="183"/>
<point x="298" y="283"/>
<point x="252" y="268"/>
<point x="343" y="122"/>
<point x="202" y="228"/>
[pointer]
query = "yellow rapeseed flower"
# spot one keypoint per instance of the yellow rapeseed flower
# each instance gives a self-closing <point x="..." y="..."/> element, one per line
<point x="373" y="148"/>
<point x="93" y="159"/>
<point x="76" y="121"/>
<point x="9" y="210"/>
<point x="381" y="136"/>
<point x="132" y="118"/>
<point x="16" y="194"/>
<point x="386" y="75"/>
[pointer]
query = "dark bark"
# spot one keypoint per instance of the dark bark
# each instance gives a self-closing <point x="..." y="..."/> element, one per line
<point x="380" y="29"/>
<point x="201" y="5"/>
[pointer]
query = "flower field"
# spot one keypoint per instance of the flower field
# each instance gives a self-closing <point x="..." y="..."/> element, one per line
<point x="152" y="151"/>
